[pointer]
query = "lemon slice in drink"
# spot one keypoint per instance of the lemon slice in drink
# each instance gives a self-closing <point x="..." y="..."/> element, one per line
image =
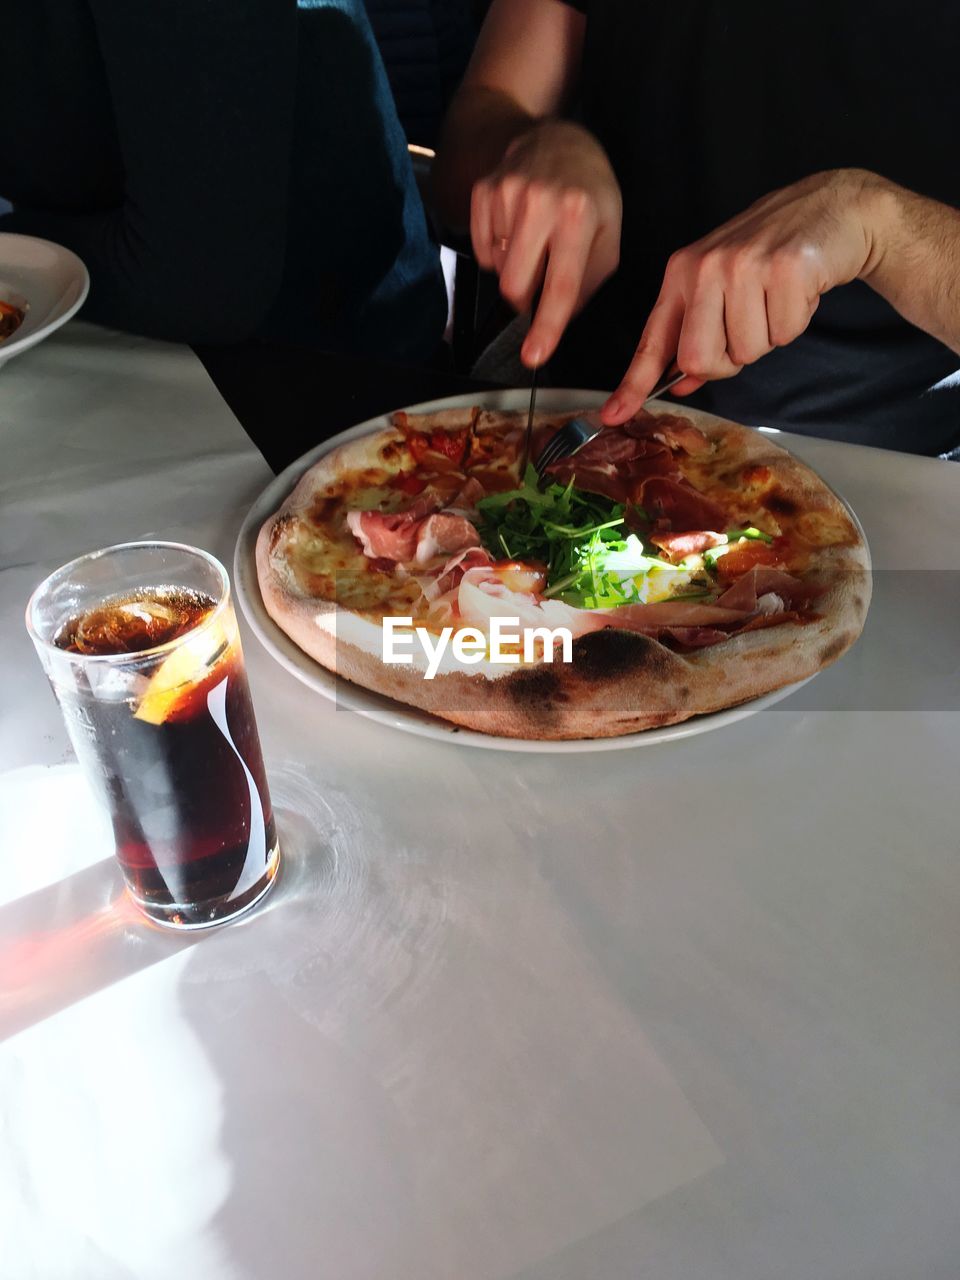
<point x="182" y="670"/>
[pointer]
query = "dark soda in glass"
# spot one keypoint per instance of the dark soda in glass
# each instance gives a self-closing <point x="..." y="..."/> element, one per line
<point x="159" y="711"/>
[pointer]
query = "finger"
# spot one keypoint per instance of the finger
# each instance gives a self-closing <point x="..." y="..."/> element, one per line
<point x="702" y="348"/>
<point x="745" y="319"/>
<point x="687" y="386"/>
<point x="789" y="311"/>
<point x="522" y="272"/>
<point x="506" y="196"/>
<point x="567" y="263"/>
<point x="481" y="224"/>
<point x="654" y="353"/>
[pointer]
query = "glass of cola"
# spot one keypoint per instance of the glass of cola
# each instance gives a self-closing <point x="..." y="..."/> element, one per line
<point x="141" y="646"/>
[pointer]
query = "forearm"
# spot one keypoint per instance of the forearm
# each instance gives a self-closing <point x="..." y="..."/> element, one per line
<point x="524" y="69"/>
<point x="914" y="259"/>
<point x="480" y="125"/>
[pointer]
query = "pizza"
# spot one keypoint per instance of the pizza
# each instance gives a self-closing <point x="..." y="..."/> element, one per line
<point x="674" y="566"/>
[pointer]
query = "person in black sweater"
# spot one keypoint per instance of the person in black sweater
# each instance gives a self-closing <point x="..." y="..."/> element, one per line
<point x="225" y="168"/>
<point x="764" y="191"/>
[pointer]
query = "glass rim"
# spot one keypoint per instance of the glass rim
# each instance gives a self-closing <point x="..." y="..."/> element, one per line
<point x="138" y="655"/>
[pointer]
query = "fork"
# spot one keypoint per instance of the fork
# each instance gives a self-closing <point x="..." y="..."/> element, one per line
<point x="573" y="435"/>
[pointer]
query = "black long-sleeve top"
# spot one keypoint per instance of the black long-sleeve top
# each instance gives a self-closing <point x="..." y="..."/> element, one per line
<point x="225" y="168"/>
<point x="704" y="106"/>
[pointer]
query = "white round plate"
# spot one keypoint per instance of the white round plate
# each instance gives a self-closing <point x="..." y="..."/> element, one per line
<point x="397" y="714"/>
<point x="50" y="280"/>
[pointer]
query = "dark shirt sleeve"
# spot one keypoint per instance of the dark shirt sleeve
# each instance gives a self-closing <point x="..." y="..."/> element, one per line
<point x="203" y="98"/>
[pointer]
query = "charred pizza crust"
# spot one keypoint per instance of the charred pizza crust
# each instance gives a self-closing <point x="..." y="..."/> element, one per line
<point x="619" y="681"/>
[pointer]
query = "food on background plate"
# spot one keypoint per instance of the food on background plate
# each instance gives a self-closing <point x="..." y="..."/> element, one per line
<point x="695" y="564"/>
<point x="11" y="318"/>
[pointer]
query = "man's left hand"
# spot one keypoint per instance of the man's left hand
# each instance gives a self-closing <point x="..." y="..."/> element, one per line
<point x="754" y="283"/>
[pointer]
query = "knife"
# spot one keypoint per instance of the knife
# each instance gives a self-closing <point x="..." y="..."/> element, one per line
<point x="666" y="382"/>
<point x="528" y="437"/>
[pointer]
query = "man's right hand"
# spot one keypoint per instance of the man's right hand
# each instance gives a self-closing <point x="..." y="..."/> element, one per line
<point x="549" y="214"/>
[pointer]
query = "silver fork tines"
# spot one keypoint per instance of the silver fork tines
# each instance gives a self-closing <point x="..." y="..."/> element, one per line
<point x="573" y="435"/>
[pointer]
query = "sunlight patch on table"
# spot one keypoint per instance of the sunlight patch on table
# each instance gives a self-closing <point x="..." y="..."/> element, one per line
<point x="110" y="1123"/>
<point x="51" y="826"/>
<point x="496" y="1075"/>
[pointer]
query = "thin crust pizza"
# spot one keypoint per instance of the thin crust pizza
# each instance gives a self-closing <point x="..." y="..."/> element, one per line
<point x="693" y="564"/>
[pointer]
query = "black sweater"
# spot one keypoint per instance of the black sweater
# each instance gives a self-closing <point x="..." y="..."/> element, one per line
<point x="225" y="168"/>
<point x="706" y="105"/>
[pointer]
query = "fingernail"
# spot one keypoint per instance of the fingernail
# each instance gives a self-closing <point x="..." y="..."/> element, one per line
<point x="534" y="355"/>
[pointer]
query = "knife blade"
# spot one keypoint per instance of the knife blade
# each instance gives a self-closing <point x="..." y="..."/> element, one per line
<point x="528" y="435"/>
<point x="666" y="382"/>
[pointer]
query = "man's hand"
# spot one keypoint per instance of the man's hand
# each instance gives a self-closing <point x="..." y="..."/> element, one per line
<point x="754" y="283"/>
<point x="549" y="214"/>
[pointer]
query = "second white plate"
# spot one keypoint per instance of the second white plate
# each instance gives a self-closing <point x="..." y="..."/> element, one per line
<point x="49" y="279"/>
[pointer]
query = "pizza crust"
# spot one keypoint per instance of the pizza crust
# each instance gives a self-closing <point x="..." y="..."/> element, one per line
<point x="619" y="681"/>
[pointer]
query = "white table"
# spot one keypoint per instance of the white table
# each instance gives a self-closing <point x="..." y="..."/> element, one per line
<point x="689" y="1012"/>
